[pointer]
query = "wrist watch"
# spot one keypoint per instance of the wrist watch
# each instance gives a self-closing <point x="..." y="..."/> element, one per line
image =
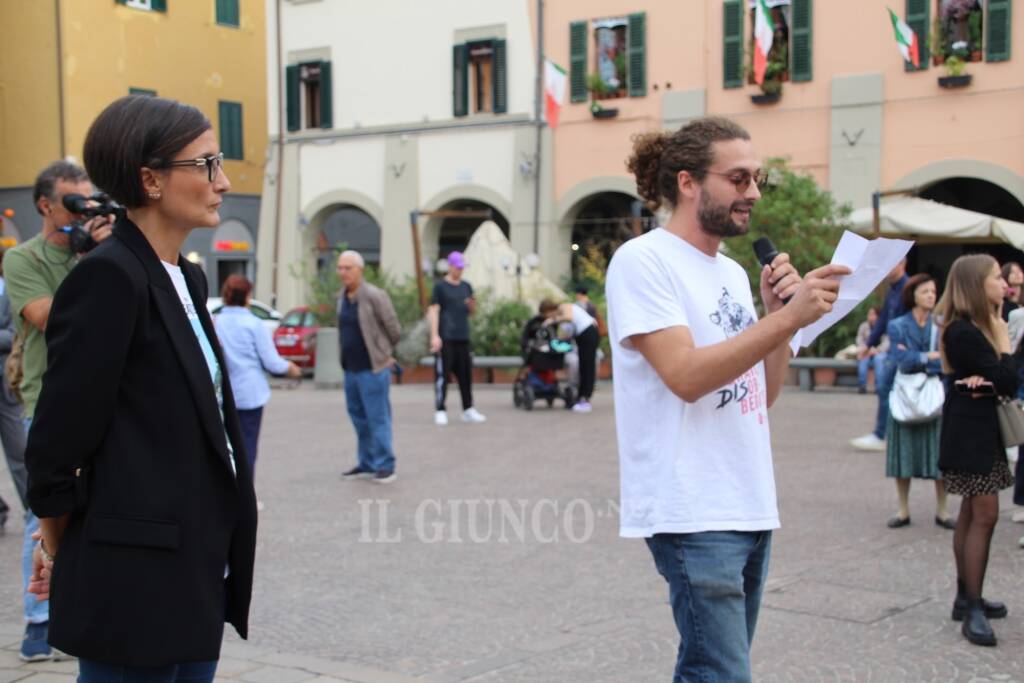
<point x="42" y="551"/>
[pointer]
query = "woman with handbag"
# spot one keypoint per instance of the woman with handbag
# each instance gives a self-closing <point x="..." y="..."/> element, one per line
<point x="135" y="455"/>
<point x="912" y="449"/>
<point x="975" y="346"/>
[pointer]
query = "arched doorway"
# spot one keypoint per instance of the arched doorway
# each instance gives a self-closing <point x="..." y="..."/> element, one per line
<point x="602" y="222"/>
<point x="453" y="233"/>
<point x="973" y="194"/>
<point x="345" y="227"/>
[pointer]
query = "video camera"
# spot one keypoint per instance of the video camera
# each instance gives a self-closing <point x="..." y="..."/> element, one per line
<point x="99" y="204"/>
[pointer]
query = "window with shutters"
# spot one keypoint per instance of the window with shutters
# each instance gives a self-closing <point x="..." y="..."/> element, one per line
<point x="309" y="79"/>
<point x="227" y="13"/>
<point x="619" y="65"/>
<point x="148" y="5"/>
<point x="479" y="73"/>
<point x="957" y="31"/>
<point x="142" y="91"/>
<point x="778" y="56"/>
<point x="230" y="124"/>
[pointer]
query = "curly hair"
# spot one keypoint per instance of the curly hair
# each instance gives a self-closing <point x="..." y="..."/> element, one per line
<point x="658" y="158"/>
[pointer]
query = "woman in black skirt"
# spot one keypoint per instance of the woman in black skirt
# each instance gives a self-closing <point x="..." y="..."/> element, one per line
<point x="976" y="354"/>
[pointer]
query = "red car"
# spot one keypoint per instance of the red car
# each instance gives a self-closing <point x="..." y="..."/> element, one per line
<point x="295" y="337"/>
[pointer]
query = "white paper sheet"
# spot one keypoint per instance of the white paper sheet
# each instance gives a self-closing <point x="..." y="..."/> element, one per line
<point x="870" y="261"/>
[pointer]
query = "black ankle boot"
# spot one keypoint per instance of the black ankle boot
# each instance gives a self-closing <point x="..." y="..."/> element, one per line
<point x="976" y="628"/>
<point x="993" y="609"/>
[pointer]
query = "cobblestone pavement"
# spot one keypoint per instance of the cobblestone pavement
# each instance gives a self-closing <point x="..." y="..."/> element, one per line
<point x="417" y="582"/>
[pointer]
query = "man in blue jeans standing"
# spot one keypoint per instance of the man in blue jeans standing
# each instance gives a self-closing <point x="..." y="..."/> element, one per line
<point x="695" y="374"/>
<point x="885" y="370"/>
<point x="369" y="329"/>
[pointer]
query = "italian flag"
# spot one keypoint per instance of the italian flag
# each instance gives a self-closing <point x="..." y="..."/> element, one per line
<point x="764" y="35"/>
<point x="906" y="39"/>
<point x="554" y="91"/>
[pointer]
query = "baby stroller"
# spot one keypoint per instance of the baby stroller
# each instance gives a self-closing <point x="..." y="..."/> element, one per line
<point x="544" y="344"/>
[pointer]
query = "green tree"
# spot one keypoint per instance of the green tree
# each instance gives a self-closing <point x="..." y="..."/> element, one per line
<point x="805" y="222"/>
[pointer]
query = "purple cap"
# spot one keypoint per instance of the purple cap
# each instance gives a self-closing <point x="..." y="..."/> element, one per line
<point x="456" y="260"/>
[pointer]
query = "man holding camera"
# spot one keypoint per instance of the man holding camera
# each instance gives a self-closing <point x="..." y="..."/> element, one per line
<point x="33" y="271"/>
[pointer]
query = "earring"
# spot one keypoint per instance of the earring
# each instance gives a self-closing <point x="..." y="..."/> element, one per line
<point x="153" y="195"/>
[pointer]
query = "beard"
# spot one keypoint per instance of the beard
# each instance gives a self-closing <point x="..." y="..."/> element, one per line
<point x="716" y="219"/>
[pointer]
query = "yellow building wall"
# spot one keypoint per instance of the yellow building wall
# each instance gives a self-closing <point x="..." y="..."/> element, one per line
<point x="182" y="54"/>
<point x="29" y="121"/>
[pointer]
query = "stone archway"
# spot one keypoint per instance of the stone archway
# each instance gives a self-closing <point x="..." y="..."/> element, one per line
<point x="343" y="226"/>
<point x="439" y="236"/>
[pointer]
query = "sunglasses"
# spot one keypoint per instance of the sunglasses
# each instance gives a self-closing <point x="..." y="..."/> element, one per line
<point x="742" y="179"/>
<point x="212" y="164"/>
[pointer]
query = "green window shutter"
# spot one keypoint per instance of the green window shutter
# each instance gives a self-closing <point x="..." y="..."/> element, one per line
<point x="158" y="5"/>
<point x="326" y="96"/>
<point x="917" y="17"/>
<point x="636" y="55"/>
<point x="227" y="12"/>
<point x="578" y="61"/>
<point x="997" y="31"/>
<point x="120" y="2"/>
<point x="292" y="103"/>
<point x="142" y="91"/>
<point x="732" y="38"/>
<point x="801" y="43"/>
<point x="230" y="119"/>
<point x="460" y="80"/>
<point x="500" y="82"/>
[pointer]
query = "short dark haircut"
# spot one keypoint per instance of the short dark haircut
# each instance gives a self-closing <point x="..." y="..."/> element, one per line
<point x="46" y="181"/>
<point x="137" y="131"/>
<point x="907" y="296"/>
<point x="236" y="290"/>
<point x="581" y="289"/>
<point x="658" y="158"/>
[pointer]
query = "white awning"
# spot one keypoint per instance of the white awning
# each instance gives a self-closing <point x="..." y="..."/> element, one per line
<point x="915" y="216"/>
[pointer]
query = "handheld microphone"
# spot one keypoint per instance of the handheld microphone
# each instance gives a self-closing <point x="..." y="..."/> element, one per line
<point x="766" y="253"/>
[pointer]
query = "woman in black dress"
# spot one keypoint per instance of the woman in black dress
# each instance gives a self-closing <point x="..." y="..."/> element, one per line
<point x="976" y="354"/>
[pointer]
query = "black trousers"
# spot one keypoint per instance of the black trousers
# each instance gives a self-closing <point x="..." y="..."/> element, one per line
<point x="586" y="348"/>
<point x="454" y="359"/>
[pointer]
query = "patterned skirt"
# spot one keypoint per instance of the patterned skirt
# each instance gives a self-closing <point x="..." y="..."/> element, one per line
<point x="972" y="484"/>
<point x="912" y="450"/>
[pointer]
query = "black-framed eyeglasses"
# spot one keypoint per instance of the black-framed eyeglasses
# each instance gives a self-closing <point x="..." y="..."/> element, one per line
<point x="212" y="164"/>
<point x="742" y="179"/>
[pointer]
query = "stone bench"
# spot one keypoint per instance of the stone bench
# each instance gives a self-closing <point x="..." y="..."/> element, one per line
<point x="845" y="371"/>
<point x="487" y="363"/>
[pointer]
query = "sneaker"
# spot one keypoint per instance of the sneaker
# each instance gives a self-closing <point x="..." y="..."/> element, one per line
<point x="34" y="647"/>
<point x="357" y="472"/>
<point x="1018" y="516"/>
<point x="582" y="407"/>
<point x="384" y="477"/>
<point x="260" y="506"/>
<point x="868" y="442"/>
<point x="441" y="418"/>
<point x="472" y="415"/>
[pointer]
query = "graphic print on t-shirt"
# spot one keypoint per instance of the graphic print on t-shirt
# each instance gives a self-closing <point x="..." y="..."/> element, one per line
<point x="731" y="316"/>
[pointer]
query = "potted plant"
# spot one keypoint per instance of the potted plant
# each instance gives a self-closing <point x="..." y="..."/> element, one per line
<point x="599" y="90"/>
<point x="956" y="65"/>
<point x="775" y="73"/>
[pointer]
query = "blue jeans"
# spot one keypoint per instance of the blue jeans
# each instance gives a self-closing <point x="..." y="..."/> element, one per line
<point x="191" y="672"/>
<point x="36" y="612"/>
<point x="885" y="374"/>
<point x="715" y="581"/>
<point x="863" y="364"/>
<point x="250" y="421"/>
<point x="369" y="408"/>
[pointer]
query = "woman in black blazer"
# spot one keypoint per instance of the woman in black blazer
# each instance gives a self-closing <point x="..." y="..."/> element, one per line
<point x="976" y="354"/>
<point x="136" y="465"/>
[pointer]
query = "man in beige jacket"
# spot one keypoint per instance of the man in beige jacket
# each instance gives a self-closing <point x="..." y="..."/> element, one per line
<point x="368" y="329"/>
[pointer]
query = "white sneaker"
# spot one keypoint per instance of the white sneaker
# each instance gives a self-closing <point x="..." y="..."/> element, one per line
<point x="582" y="407"/>
<point x="1018" y="516"/>
<point x="441" y="418"/>
<point x="472" y="415"/>
<point x="868" y="442"/>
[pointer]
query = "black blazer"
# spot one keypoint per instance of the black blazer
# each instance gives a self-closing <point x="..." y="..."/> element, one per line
<point x="970" y="428"/>
<point x="129" y="440"/>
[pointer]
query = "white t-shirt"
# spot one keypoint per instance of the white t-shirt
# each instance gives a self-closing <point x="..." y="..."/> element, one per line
<point x="581" y="320"/>
<point x="686" y="467"/>
<point x="181" y="287"/>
